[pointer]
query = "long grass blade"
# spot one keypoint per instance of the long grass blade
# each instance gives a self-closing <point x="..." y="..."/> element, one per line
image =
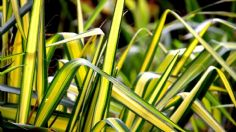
<point x="11" y="56"/>
<point x="80" y="101"/>
<point x="139" y="89"/>
<point x="152" y="98"/>
<point x="95" y="14"/>
<point x="206" y="46"/>
<point x="74" y="50"/>
<point x="143" y="109"/>
<point x="199" y="109"/>
<point x="26" y="17"/>
<point x="50" y="50"/>
<point x="189" y="50"/>
<point x="29" y="63"/>
<point x="92" y="32"/>
<point x="9" y="69"/>
<point x="132" y="41"/>
<point x="14" y="90"/>
<point x="201" y="63"/>
<point x="154" y="44"/>
<point x="15" y="8"/>
<point x="108" y="66"/>
<point x="80" y="22"/>
<point x="176" y="116"/>
<point x="57" y="90"/>
<point x="157" y="35"/>
<point x="59" y="124"/>
<point x="17" y="56"/>
<point x="215" y="102"/>
<point x="203" y="113"/>
<point x="41" y="71"/>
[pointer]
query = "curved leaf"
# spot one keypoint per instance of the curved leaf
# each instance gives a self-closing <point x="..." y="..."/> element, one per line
<point x="115" y="123"/>
<point x="57" y="89"/>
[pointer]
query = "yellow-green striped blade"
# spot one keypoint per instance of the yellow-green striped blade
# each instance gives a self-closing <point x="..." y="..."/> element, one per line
<point x="143" y="109"/>
<point x="176" y="116"/>
<point x="215" y="102"/>
<point x="199" y="64"/>
<point x="155" y="93"/>
<point x="85" y="92"/>
<point x="15" y="8"/>
<point x="108" y="66"/>
<point x="41" y="81"/>
<point x="65" y="75"/>
<point x="139" y="88"/>
<point x="203" y="113"/>
<point x="29" y="63"/>
<point x="216" y="56"/>
<point x="9" y="69"/>
<point x="115" y="123"/>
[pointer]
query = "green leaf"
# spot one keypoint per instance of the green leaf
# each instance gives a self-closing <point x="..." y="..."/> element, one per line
<point x="155" y="93"/>
<point x="74" y="49"/>
<point x="189" y="50"/>
<point x="215" y="102"/>
<point x="115" y="123"/>
<point x="29" y="63"/>
<point x="95" y="14"/>
<point x="12" y="20"/>
<point x="17" y="59"/>
<point x="86" y="88"/>
<point x="108" y="66"/>
<point x="206" y="45"/>
<point x="9" y="69"/>
<point x="15" y="7"/>
<point x="139" y="88"/>
<point x="157" y="35"/>
<point x="132" y="41"/>
<point x="153" y="45"/>
<point x="92" y="32"/>
<point x="41" y="72"/>
<point x="201" y="63"/>
<point x="80" y="22"/>
<point x="143" y="109"/>
<point x="192" y="6"/>
<point x="193" y="93"/>
<point x="65" y="75"/>
<point x="203" y="113"/>
<point x="50" y="50"/>
<point x="141" y="14"/>
<point x="219" y="13"/>
<point x="11" y="56"/>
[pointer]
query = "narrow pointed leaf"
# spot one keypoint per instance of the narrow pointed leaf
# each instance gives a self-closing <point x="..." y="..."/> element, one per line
<point x="132" y="41"/>
<point x="152" y="98"/>
<point x="29" y="61"/>
<point x="215" y="102"/>
<point x="192" y="95"/>
<point x="15" y="8"/>
<point x="57" y="90"/>
<point x="200" y="64"/>
<point x="108" y="66"/>
<point x="95" y="14"/>
<point x="203" y="113"/>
